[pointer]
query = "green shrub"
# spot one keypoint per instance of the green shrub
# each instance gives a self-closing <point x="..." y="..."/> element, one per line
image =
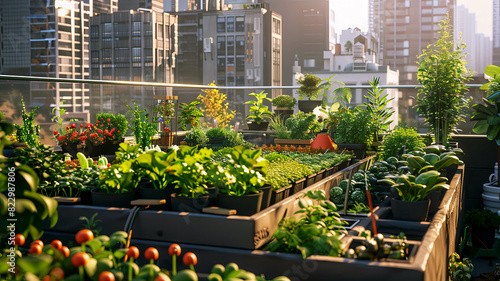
<point x="303" y="125"/>
<point x="197" y="136"/>
<point x="401" y="140"/>
<point x="284" y="101"/>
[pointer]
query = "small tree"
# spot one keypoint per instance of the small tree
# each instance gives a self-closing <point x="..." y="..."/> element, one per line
<point x="215" y="108"/>
<point x="348" y="46"/>
<point x="443" y="75"/>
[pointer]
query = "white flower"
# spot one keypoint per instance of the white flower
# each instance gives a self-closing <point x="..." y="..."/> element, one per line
<point x="320" y="115"/>
<point x="175" y="147"/>
<point x="299" y="76"/>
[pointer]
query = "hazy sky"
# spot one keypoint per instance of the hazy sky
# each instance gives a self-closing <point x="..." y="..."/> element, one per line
<point x="354" y="13"/>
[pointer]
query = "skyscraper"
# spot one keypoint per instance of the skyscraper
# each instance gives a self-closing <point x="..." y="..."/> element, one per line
<point x="104" y="6"/>
<point x="137" y="46"/>
<point x="155" y="5"/>
<point x="405" y="28"/>
<point x="237" y="47"/>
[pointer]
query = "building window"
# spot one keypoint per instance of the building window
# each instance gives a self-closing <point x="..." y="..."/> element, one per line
<point x="407" y="3"/>
<point x="136" y="29"/>
<point x="221" y="46"/>
<point x="240" y="24"/>
<point x="240" y="45"/>
<point x="136" y="54"/>
<point x="230" y="45"/>
<point x="221" y="24"/>
<point x="309" y="63"/>
<point x="230" y="24"/>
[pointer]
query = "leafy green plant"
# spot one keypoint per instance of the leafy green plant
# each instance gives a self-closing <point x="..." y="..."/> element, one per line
<point x="419" y="162"/>
<point x="29" y="132"/>
<point x="359" y="208"/>
<point x="93" y="224"/>
<point x="197" y="136"/>
<point x="377" y="105"/>
<point x="459" y="270"/>
<point x="284" y="101"/>
<point x="279" y="127"/>
<point x="282" y="172"/>
<point x="399" y="141"/>
<point x="244" y="172"/>
<point x="158" y="167"/>
<point x="482" y="219"/>
<point x="217" y="132"/>
<point x="191" y="168"/>
<point x="315" y="231"/>
<point x="190" y="114"/>
<point x="143" y="130"/>
<point x="443" y="75"/>
<point x="120" y="177"/>
<point x="258" y="111"/>
<point x="303" y="125"/>
<point x="417" y="188"/>
<point x="354" y="126"/>
<point x="20" y="182"/>
<point x="377" y="248"/>
<point x="309" y="86"/>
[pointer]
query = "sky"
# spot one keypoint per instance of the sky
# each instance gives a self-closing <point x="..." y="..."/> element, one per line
<point x="354" y="13"/>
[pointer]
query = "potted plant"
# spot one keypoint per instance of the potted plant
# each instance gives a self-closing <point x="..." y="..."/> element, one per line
<point x="28" y="133"/>
<point x="354" y="130"/>
<point x="443" y="75"/>
<point x="284" y="106"/>
<point x="117" y="185"/>
<point x="116" y="125"/>
<point x="196" y="136"/>
<point x="302" y="127"/>
<point x="378" y="106"/>
<point x="413" y="192"/>
<point x="143" y="130"/>
<point x="258" y="112"/>
<point x="487" y="115"/>
<point x="400" y="141"/>
<point x="483" y="225"/>
<point x="70" y="139"/>
<point x="190" y="167"/>
<point x="309" y="88"/>
<point x="157" y="166"/>
<point x="190" y="115"/>
<point x="164" y="111"/>
<point x="239" y="179"/>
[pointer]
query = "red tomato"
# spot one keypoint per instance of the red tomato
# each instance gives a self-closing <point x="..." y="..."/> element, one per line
<point x="133" y="252"/>
<point x="189" y="259"/>
<point x="19" y="239"/>
<point x="36" y="249"/>
<point x="83" y="236"/>
<point x="106" y="276"/>
<point x="46" y="278"/>
<point x="65" y="251"/>
<point x="174" y="249"/>
<point x="57" y="274"/>
<point x="151" y="254"/>
<point x="162" y="278"/>
<point x="39" y="242"/>
<point x="56" y="244"/>
<point x="79" y="259"/>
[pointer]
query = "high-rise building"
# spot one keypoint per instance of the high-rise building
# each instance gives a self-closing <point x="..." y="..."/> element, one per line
<point x="478" y="46"/>
<point x="405" y="28"/>
<point x="131" y="46"/>
<point x="104" y="6"/>
<point x="237" y="47"/>
<point x="155" y="5"/>
<point x="496" y="32"/>
<point x="59" y="48"/>
<point x="308" y="30"/>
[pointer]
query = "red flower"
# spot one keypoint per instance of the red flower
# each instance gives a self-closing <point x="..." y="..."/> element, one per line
<point x="97" y="121"/>
<point x="108" y="120"/>
<point x="81" y="125"/>
<point x="73" y="125"/>
<point x="56" y="132"/>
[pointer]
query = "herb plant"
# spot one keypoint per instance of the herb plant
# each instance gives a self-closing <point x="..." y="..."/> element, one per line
<point x="197" y="136"/>
<point x="191" y="168"/>
<point x="279" y="127"/>
<point x="482" y="219"/>
<point x="315" y="231"/>
<point x="459" y="270"/>
<point x="303" y="125"/>
<point x="258" y="111"/>
<point x="143" y="130"/>
<point x="377" y="105"/>
<point x="190" y="114"/>
<point x="284" y="101"/>
<point x="399" y="141"/>
<point x="443" y="76"/>
<point x="29" y="132"/>
<point x="354" y="126"/>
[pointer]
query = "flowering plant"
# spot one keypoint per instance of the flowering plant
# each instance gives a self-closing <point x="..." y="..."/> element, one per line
<point x="71" y="135"/>
<point x="165" y="110"/>
<point x="115" y="124"/>
<point x="190" y="114"/>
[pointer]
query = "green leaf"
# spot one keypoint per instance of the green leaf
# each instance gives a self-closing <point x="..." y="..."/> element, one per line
<point x="480" y="127"/>
<point x="492" y="132"/>
<point x="91" y="267"/>
<point x="35" y="264"/>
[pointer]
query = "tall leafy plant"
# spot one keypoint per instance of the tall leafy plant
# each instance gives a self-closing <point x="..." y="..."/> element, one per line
<point x="143" y="130"/>
<point x="258" y="111"/>
<point x="29" y="132"/>
<point x="377" y="105"/>
<point x="443" y="75"/>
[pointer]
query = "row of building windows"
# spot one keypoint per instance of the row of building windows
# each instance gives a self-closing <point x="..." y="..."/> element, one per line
<point x="231" y="24"/>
